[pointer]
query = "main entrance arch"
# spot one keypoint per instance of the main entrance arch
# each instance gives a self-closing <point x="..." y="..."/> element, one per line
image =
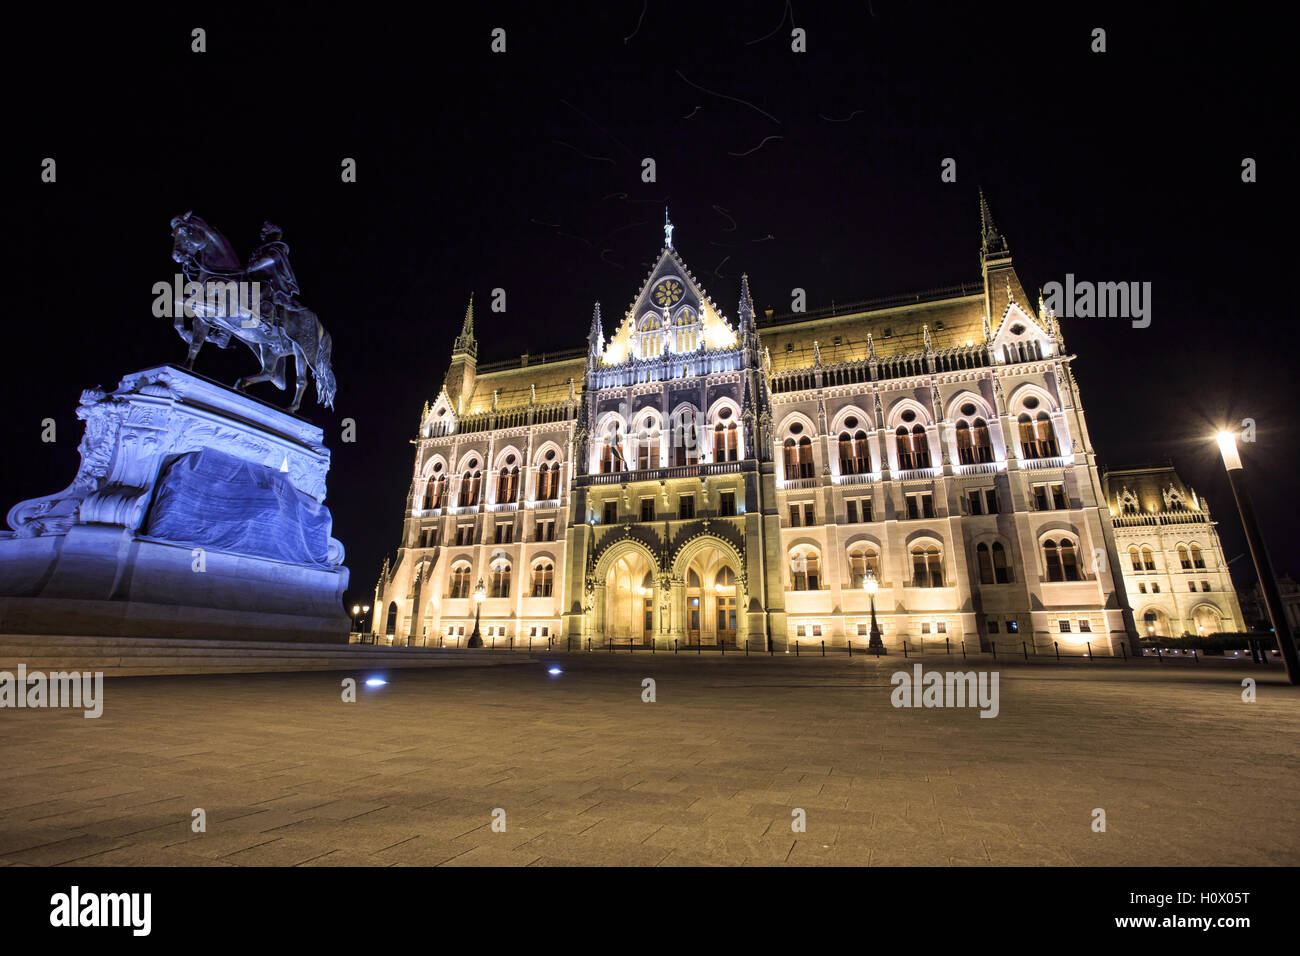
<point x="709" y="572"/>
<point x="624" y="605"/>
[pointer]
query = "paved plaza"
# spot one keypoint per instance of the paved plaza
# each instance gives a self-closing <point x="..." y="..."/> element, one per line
<point x="711" y="772"/>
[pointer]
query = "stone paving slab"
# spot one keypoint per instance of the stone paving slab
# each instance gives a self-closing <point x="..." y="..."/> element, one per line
<point x="710" y="774"/>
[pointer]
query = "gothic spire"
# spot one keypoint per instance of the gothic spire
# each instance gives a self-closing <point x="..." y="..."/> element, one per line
<point x="465" y="342"/>
<point x="596" y="337"/>
<point x="992" y="242"/>
<point x="746" y="308"/>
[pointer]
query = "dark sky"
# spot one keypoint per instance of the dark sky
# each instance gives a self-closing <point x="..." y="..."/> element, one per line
<point x="522" y="170"/>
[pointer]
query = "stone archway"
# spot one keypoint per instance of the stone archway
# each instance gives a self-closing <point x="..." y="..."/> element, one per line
<point x="710" y="596"/>
<point x="1154" y="622"/>
<point x="625" y="603"/>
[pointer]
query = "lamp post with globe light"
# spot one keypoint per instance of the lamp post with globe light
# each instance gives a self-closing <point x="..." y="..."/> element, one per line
<point x="480" y="592"/>
<point x="872" y="586"/>
<point x="1259" y="554"/>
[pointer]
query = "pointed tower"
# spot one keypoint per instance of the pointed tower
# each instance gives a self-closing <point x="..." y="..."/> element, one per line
<point x="595" y="338"/>
<point x="464" y="361"/>
<point x="1001" y="284"/>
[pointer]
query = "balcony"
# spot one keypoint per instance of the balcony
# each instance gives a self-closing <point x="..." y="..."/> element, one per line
<point x="664" y="474"/>
<point x="1155" y="518"/>
<point x="1042" y="464"/>
<point x="865" y="478"/>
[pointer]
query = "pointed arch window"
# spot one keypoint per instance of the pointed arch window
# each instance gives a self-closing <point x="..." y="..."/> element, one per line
<point x="1148" y="559"/>
<point x="471" y="485"/>
<point x="725" y="445"/>
<point x="790" y="458"/>
<point x="548" y="482"/>
<point x="1183" y="558"/>
<point x="499" y="586"/>
<point x="1052" y="561"/>
<point x="984" y="559"/>
<point x="1135" y="558"/>
<point x="913" y="447"/>
<point x="805" y="571"/>
<point x="1198" y="559"/>
<point x="861" y="560"/>
<point x="459" y="581"/>
<point x="927" y="567"/>
<point x="543" y="579"/>
<point x="1038" y="436"/>
<point x="507" y="485"/>
<point x="1069" y="561"/>
<point x="1001" y="570"/>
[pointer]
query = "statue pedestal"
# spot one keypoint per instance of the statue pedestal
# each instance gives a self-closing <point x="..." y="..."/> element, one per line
<point x="197" y="512"/>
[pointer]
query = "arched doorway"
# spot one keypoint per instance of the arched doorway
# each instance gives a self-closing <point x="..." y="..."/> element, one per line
<point x="1206" y="620"/>
<point x="1155" y="623"/>
<point x="390" y="627"/>
<point x="711" y="598"/>
<point x="630" y="600"/>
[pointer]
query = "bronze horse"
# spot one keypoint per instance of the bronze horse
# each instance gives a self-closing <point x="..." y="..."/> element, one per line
<point x="277" y="328"/>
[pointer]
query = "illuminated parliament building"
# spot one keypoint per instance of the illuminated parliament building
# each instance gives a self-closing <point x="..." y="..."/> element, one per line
<point x="696" y="478"/>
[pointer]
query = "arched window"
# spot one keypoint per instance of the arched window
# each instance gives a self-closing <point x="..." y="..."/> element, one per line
<point x="861" y="560"/>
<point x="726" y="578"/>
<point x="1069" y="560"/>
<point x="548" y="482"/>
<point x="651" y="337"/>
<point x="435" y="493"/>
<point x="1053" y="561"/>
<point x="724" y="442"/>
<point x="805" y="571"/>
<point x="981" y="442"/>
<point x="1001" y="570"/>
<point x="500" y="580"/>
<point x="471" y="485"/>
<point x="1135" y="558"/>
<point x="1037" y="436"/>
<point x="611" y="451"/>
<point x="685" y="439"/>
<point x="390" y="625"/>
<point x="847" y="464"/>
<point x="965" y="446"/>
<point x="459" y="581"/>
<point x="927" y="567"/>
<point x="1148" y="559"/>
<point x="913" y="447"/>
<point x="790" y="458"/>
<point x="1183" y="559"/>
<point x="543" y="577"/>
<point x="692" y="579"/>
<point x="1198" y="559"/>
<point x="507" y="485"/>
<point x="985" y="560"/>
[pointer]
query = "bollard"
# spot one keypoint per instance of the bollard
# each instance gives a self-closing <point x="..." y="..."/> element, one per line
<point x="653" y="645"/>
<point x="947" y="647"/>
<point x="796" y="648"/>
<point x="1195" y="656"/>
<point x="823" y="648"/>
<point x="1024" y="648"/>
<point x="722" y="646"/>
<point x="699" y="648"/>
<point x="849" y="642"/>
<point x="1057" y="645"/>
<point x="1158" y="657"/>
<point x="1123" y="650"/>
<point x="494" y="643"/>
<point x="993" y="646"/>
<point x="746" y="647"/>
<point x="630" y="645"/>
<point x="963" y="649"/>
<point x="1089" y="643"/>
<point x="771" y="648"/>
<point x="530" y="643"/>
<point x="568" y="644"/>
<point x="674" y="645"/>
<point x="905" y="648"/>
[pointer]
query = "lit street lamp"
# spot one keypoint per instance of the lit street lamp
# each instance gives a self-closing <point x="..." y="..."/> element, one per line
<point x="1259" y="554"/>
<point x="480" y="592"/>
<point x="872" y="586"/>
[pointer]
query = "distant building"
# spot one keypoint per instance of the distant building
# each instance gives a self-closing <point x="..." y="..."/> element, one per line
<point x="1175" y="575"/>
<point x="699" y="480"/>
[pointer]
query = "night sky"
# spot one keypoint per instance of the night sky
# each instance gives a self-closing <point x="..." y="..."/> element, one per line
<point x="522" y="171"/>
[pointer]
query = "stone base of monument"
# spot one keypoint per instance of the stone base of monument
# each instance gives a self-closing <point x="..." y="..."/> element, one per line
<point x="197" y="512"/>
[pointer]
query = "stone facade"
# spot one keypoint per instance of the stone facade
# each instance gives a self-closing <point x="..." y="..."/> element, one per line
<point x="720" y="481"/>
<point x="1174" y="571"/>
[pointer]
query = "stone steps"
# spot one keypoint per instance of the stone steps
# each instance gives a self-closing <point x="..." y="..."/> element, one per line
<point x="137" y="657"/>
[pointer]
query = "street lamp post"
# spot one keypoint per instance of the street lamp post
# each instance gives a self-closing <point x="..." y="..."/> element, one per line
<point x="872" y="586"/>
<point x="356" y="610"/>
<point x="1259" y="554"/>
<point x="480" y="592"/>
<point x="365" y="609"/>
